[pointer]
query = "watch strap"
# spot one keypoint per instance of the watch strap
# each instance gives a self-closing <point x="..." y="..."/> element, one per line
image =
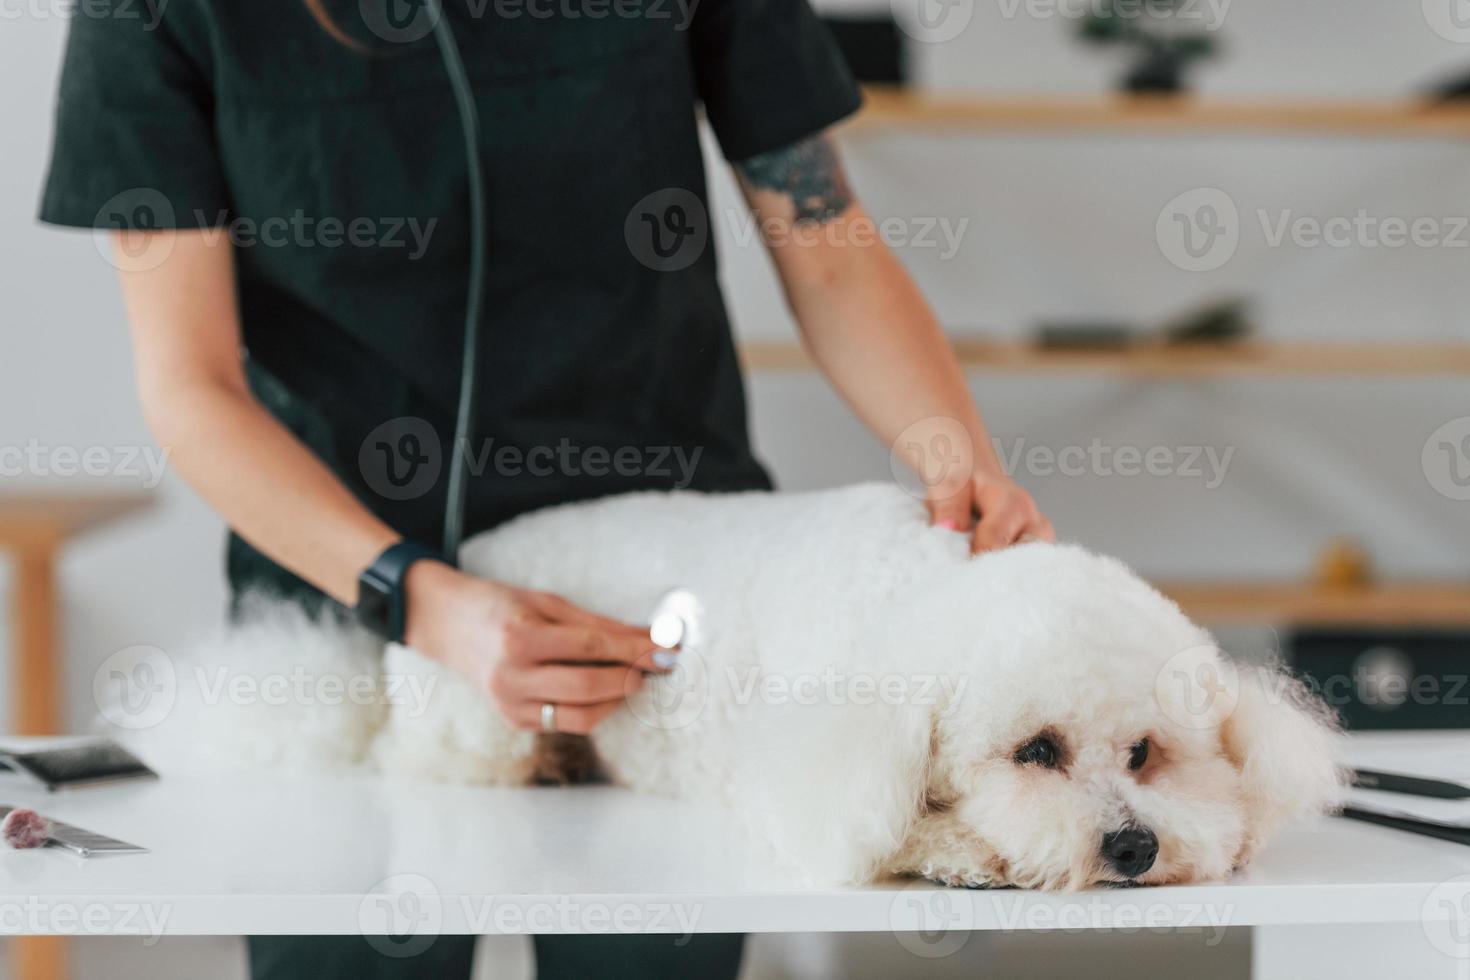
<point x="381" y="603"/>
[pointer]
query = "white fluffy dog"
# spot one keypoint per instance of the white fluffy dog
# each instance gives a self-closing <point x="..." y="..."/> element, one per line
<point x="871" y="698"/>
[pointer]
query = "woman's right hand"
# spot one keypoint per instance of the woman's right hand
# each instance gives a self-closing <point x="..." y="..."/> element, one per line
<point x="523" y="649"/>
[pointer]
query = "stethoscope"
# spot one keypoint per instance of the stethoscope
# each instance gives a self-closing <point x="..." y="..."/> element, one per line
<point x="469" y="118"/>
<point x="677" y="619"/>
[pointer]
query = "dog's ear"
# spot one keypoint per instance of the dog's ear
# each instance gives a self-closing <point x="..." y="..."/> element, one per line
<point x="1285" y="743"/>
<point x="834" y="788"/>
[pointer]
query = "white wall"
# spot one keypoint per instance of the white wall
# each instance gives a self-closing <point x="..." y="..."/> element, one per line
<point x="66" y="381"/>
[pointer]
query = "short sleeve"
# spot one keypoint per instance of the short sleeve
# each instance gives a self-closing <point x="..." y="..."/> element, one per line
<point x="134" y="139"/>
<point x="769" y="74"/>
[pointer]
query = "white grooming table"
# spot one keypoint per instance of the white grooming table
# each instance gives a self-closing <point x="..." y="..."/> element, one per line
<point x="351" y="853"/>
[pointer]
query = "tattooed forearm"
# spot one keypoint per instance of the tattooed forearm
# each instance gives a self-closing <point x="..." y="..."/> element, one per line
<point x="808" y="172"/>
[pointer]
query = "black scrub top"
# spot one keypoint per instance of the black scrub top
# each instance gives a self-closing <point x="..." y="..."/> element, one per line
<point x="339" y="172"/>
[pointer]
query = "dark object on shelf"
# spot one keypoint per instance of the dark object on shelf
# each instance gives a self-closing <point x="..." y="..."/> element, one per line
<point x="1456" y="89"/>
<point x="1160" y="71"/>
<point x="872" y="46"/>
<point x="1082" y="335"/>
<point x="1217" y="322"/>
<point x="1163" y="56"/>
<point x="1388" y="679"/>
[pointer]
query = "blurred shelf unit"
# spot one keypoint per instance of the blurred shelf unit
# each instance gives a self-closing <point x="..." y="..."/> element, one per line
<point x="888" y="107"/>
<point x="1296" y="604"/>
<point x="1426" y="604"/>
<point x="1405" y="604"/>
<point x="1241" y="359"/>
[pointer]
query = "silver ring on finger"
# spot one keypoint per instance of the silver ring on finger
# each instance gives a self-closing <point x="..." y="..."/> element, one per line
<point x="548" y="718"/>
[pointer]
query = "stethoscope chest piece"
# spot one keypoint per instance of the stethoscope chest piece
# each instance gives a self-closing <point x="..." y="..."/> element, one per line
<point x="677" y="621"/>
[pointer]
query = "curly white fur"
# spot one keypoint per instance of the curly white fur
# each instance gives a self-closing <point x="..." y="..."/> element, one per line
<point x="861" y="694"/>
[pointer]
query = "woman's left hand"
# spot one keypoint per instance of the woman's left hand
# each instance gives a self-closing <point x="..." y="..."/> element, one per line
<point x="992" y="509"/>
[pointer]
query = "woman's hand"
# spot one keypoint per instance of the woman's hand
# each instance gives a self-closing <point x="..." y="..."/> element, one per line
<point x="1006" y="513"/>
<point x="525" y="649"/>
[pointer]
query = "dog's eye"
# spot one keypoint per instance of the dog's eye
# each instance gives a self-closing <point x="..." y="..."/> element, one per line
<point x="1040" y="751"/>
<point x="1138" y="755"/>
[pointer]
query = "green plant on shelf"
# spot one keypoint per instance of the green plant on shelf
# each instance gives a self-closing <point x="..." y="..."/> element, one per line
<point x="1152" y="27"/>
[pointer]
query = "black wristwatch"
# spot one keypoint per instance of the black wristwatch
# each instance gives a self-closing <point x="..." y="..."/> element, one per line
<point x="380" y="599"/>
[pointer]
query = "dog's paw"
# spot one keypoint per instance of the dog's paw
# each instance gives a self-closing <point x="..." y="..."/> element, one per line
<point x="960" y="879"/>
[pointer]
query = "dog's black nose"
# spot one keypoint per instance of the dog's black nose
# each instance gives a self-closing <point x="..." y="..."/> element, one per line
<point x="1131" y="852"/>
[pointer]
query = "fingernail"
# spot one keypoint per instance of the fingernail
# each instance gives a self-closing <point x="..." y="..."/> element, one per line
<point x="664" y="659"/>
<point x="948" y="524"/>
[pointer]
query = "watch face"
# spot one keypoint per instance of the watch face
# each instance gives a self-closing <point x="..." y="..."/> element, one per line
<point x="374" y="600"/>
<point x="380" y="589"/>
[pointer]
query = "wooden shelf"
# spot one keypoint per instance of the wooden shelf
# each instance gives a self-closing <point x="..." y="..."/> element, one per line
<point x="1418" y="604"/>
<point x="888" y="108"/>
<point x="1183" y="361"/>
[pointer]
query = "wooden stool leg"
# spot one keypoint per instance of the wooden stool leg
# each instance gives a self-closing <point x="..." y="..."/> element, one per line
<point x="35" y="695"/>
<point x="36" y="708"/>
<point x="39" y="957"/>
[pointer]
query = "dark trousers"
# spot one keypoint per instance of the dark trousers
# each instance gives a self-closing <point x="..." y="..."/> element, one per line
<point x="701" y="957"/>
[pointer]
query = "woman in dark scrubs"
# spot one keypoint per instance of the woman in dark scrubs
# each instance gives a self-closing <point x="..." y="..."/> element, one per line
<point x="286" y="186"/>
